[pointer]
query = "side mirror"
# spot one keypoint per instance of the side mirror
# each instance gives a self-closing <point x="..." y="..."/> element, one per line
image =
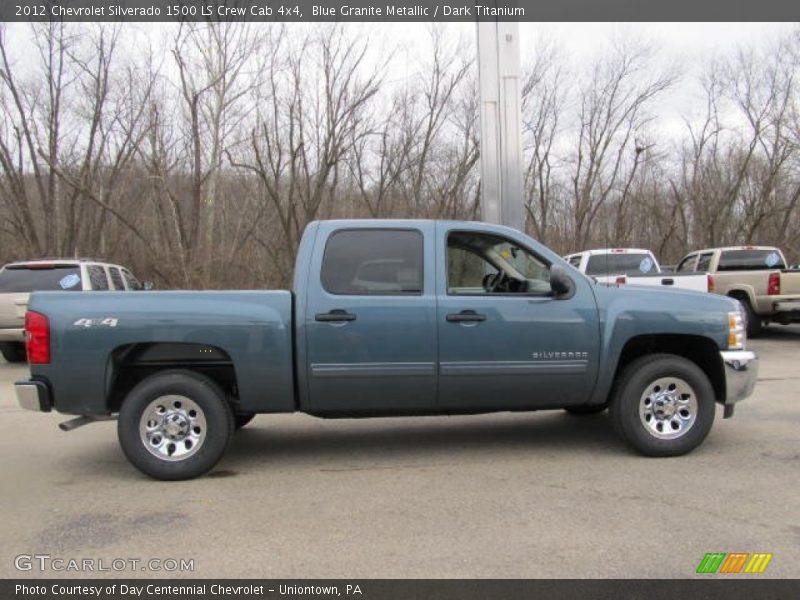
<point x="147" y="286"/>
<point x="561" y="284"/>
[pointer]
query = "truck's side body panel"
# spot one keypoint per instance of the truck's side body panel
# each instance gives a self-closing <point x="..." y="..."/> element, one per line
<point x="253" y="328"/>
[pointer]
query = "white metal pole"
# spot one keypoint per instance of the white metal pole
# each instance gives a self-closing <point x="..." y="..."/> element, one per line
<point x="501" y="132"/>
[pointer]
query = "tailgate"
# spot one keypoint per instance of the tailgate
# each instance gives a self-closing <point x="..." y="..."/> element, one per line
<point x="695" y="282"/>
<point x="790" y="283"/>
<point x="12" y="310"/>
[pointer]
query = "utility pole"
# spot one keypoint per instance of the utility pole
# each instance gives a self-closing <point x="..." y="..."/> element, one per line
<point x="501" y="123"/>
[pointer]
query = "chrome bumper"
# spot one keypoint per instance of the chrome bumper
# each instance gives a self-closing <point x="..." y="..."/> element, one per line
<point x="33" y="395"/>
<point x="741" y="372"/>
<point x="12" y="335"/>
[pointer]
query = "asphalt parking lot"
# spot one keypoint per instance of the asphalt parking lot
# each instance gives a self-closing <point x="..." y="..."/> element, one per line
<point x="507" y="495"/>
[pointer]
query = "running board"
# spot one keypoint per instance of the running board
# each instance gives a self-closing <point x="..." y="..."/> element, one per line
<point x="84" y="420"/>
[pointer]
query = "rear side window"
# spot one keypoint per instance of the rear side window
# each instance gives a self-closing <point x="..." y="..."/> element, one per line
<point x="620" y="264"/>
<point x="97" y="277"/>
<point x="40" y="277"/>
<point x="750" y="260"/>
<point x="687" y="264"/>
<point x="373" y="262"/>
<point x="575" y="261"/>
<point x="116" y="279"/>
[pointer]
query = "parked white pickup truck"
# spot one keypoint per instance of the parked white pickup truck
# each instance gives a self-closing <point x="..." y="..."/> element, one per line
<point x="633" y="266"/>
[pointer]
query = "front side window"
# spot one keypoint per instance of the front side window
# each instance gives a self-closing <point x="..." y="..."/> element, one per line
<point x="687" y="264"/>
<point x="373" y="262"/>
<point x="97" y="277"/>
<point x="133" y="283"/>
<point x="479" y="264"/>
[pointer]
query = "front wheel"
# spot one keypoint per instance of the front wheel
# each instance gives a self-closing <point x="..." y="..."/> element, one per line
<point x="663" y="405"/>
<point x="175" y="425"/>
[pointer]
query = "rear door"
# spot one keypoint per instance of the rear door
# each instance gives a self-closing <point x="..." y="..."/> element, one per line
<point x="370" y="319"/>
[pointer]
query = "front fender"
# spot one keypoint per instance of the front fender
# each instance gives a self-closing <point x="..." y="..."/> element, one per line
<point x="627" y="313"/>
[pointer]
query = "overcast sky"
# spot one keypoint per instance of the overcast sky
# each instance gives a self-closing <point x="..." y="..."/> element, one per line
<point x="691" y="45"/>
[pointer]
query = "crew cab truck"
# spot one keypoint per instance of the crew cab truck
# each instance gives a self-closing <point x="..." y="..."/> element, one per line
<point x="633" y="266"/>
<point x="388" y="317"/>
<point x="757" y="277"/>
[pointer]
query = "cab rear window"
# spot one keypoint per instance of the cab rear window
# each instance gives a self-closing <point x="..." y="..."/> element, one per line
<point x="750" y="260"/>
<point x="620" y="264"/>
<point x="40" y="278"/>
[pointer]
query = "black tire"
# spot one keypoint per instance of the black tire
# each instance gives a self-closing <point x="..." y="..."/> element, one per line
<point x="585" y="409"/>
<point x="13" y="352"/>
<point x="242" y="419"/>
<point x="204" y="393"/>
<point x="755" y="324"/>
<point x="629" y="392"/>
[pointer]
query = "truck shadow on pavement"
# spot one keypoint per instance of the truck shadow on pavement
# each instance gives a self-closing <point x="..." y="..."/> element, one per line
<point x="396" y="442"/>
<point x="421" y="438"/>
<point x="781" y="334"/>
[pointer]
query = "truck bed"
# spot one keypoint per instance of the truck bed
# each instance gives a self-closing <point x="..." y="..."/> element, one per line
<point x="251" y="329"/>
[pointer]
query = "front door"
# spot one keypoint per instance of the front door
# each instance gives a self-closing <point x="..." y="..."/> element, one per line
<point x="505" y="341"/>
<point x="371" y="320"/>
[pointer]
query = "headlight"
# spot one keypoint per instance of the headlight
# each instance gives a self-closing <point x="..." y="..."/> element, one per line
<point x="737" y="330"/>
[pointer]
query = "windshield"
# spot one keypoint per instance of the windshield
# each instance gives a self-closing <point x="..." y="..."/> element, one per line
<point x="621" y="264"/>
<point x="750" y="260"/>
<point x="50" y="277"/>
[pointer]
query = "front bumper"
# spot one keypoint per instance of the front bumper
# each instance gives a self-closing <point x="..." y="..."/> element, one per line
<point x="741" y="372"/>
<point x="33" y="395"/>
<point x="12" y="335"/>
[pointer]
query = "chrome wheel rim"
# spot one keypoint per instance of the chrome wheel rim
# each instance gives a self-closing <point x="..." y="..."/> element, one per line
<point x="172" y="428"/>
<point x="668" y="408"/>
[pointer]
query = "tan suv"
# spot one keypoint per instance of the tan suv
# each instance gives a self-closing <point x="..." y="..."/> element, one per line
<point x="19" y="279"/>
<point x="756" y="276"/>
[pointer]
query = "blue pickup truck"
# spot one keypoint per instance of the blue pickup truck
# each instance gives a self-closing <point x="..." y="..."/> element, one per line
<point x="388" y="317"/>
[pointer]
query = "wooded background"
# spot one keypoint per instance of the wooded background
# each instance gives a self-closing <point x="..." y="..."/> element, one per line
<point x="200" y="165"/>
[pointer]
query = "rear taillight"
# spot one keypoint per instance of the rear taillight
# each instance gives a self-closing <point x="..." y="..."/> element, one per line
<point x="774" y="285"/>
<point x="712" y="285"/>
<point x="621" y="280"/>
<point x="37" y="338"/>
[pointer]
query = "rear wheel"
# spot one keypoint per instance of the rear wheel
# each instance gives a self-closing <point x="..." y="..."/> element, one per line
<point x="13" y="352"/>
<point x="175" y="425"/>
<point x="663" y="405"/>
